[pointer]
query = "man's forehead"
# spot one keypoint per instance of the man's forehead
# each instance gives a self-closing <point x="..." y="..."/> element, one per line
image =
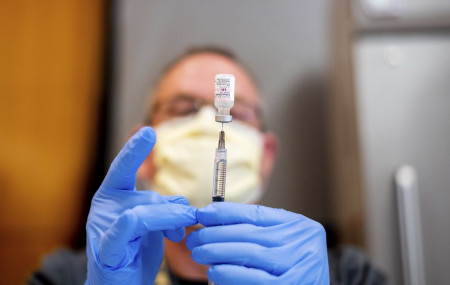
<point x="194" y="75"/>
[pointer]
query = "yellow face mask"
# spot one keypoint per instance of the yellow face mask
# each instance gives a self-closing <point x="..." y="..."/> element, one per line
<point x="184" y="159"/>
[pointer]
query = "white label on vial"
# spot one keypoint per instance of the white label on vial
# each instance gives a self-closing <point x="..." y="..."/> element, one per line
<point x="223" y="87"/>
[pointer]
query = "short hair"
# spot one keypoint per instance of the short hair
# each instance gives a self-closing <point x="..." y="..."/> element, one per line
<point x="202" y="50"/>
<point x="199" y="50"/>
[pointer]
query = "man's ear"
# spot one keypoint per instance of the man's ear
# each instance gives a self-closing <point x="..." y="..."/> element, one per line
<point x="270" y="145"/>
<point x="146" y="170"/>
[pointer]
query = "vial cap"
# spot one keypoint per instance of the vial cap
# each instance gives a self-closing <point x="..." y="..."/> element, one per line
<point x="224" y="118"/>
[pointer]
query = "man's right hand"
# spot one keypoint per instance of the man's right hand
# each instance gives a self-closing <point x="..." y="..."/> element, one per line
<point x="125" y="228"/>
<point x="252" y="244"/>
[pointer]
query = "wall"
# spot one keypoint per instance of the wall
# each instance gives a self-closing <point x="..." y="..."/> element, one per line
<point x="389" y="107"/>
<point x="50" y="59"/>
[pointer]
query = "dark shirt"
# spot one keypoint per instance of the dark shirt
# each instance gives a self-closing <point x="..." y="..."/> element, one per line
<point x="348" y="265"/>
<point x="62" y="267"/>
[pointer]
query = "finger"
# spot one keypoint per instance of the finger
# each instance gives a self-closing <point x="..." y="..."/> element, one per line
<point x="122" y="172"/>
<point x="175" y="235"/>
<point x="238" y="275"/>
<point x="273" y="236"/>
<point x="227" y="213"/>
<point x="275" y="261"/>
<point x="119" y="201"/>
<point x="177" y="199"/>
<point x="123" y="200"/>
<point x="266" y="236"/>
<point x="229" y="233"/>
<point x="135" y="222"/>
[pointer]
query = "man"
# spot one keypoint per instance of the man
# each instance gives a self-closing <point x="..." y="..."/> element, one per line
<point x="229" y="243"/>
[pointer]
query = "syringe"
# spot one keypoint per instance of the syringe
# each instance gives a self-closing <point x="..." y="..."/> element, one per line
<point x="224" y="101"/>
<point x="220" y="170"/>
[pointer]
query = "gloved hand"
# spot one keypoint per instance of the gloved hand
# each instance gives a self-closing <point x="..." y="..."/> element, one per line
<point x="125" y="228"/>
<point x="251" y="244"/>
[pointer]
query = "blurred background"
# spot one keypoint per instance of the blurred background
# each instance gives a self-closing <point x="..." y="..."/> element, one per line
<point x="356" y="91"/>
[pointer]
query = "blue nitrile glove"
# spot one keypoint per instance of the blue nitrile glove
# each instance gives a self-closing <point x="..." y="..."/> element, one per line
<point x="251" y="244"/>
<point x="125" y="228"/>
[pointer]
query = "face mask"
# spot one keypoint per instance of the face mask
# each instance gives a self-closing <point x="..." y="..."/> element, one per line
<point x="184" y="159"/>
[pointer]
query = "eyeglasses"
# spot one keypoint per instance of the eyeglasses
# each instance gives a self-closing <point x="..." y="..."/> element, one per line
<point x="185" y="105"/>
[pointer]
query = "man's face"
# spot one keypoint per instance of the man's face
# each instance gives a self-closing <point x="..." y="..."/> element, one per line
<point x="190" y="84"/>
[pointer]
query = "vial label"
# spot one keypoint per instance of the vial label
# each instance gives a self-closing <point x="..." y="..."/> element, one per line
<point x="223" y="87"/>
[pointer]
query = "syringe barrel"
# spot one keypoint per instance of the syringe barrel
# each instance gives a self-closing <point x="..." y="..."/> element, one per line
<point x="220" y="175"/>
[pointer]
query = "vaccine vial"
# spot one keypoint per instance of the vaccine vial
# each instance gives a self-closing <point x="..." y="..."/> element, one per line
<point x="224" y="97"/>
